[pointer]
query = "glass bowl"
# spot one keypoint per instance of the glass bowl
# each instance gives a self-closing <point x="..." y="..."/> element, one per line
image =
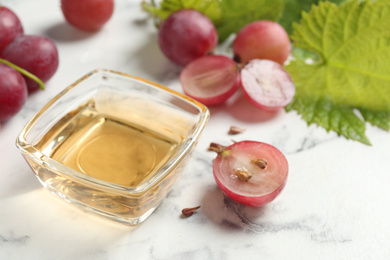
<point x="112" y="143"/>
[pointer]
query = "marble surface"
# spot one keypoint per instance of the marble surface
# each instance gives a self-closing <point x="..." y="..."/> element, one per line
<point x="335" y="204"/>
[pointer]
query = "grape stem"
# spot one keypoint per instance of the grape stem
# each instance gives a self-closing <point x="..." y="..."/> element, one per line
<point x="24" y="72"/>
<point x="217" y="148"/>
<point x="152" y="9"/>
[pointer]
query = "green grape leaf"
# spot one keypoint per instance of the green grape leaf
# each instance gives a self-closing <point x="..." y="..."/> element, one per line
<point x="352" y="42"/>
<point x="377" y="118"/>
<point x="210" y="8"/>
<point x="237" y="14"/>
<point x="293" y="9"/>
<point x="320" y="109"/>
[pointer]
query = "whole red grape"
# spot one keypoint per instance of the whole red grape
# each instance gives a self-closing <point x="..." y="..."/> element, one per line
<point x="36" y="54"/>
<point x="186" y="35"/>
<point x="87" y="15"/>
<point x="262" y="40"/>
<point x="13" y="92"/>
<point x="10" y="27"/>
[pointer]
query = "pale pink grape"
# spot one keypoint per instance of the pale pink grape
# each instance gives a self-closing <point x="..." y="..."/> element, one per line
<point x="267" y="84"/>
<point x="262" y="40"/>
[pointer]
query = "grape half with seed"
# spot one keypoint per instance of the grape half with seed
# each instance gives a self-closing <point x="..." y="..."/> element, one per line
<point x="250" y="172"/>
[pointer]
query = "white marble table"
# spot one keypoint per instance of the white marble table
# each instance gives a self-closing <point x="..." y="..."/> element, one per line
<point x="336" y="204"/>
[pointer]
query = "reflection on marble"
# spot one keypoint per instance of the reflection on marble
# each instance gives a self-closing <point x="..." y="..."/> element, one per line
<point x="335" y="204"/>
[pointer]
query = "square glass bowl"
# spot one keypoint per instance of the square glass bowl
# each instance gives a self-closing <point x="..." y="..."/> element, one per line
<point x="113" y="143"/>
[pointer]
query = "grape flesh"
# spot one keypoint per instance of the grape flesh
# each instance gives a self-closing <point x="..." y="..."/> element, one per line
<point x="267" y="84"/>
<point x="36" y="54"/>
<point x="186" y="35"/>
<point x="262" y="40"/>
<point x="87" y="15"/>
<point x="210" y="79"/>
<point x="13" y="92"/>
<point x="10" y="27"/>
<point x="264" y="184"/>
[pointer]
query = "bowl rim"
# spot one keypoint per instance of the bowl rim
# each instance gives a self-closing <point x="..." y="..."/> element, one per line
<point x="29" y="150"/>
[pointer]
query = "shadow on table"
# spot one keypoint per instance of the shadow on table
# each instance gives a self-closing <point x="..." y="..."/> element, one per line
<point x="150" y="59"/>
<point x="64" y="32"/>
<point x="239" y="107"/>
<point x="21" y="181"/>
<point x="229" y="214"/>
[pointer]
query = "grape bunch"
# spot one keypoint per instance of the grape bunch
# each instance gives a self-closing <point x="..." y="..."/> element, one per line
<point x="26" y="61"/>
<point x="188" y="38"/>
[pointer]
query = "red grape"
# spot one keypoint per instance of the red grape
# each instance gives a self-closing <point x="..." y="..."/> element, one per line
<point x="10" y="27"/>
<point x="186" y="35"/>
<point x="87" y="15"/>
<point x="262" y="40"/>
<point x="267" y="84"/>
<point x="13" y="92"/>
<point x="36" y="54"/>
<point x="251" y="173"/>
<point x="210" y="79"/>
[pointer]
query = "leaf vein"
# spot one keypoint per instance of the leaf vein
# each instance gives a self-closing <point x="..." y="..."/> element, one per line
<point x="384" y="20"/>
<point x="364" y="72"/>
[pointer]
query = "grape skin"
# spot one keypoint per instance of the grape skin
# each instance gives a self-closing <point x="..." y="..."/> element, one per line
<point x="210" y="79"/>
<point x="13" y="92"/>
<point x="186" y="35"/>
<point x="10" y="27"/>
<point x="87" y="15"/>
<point x="262" y="40"/>
<point x="36" y="54"/>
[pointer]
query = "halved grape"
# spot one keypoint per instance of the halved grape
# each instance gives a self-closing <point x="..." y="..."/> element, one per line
<point x="10" y="27"/>
<point x="13" y="92"/>
<point x="210" y="79"/>
<point x="87" y="15"/>
<point x="250" y="172"/>
<point x="262" y="40"/>
<point x="267" y="84"/>
<point x="186" y="35"/>
<point x="36" y="54"/>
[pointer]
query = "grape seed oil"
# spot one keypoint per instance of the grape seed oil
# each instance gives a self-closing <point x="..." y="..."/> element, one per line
<point x="108" y="149"/>
<point x="113" y="144"/>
